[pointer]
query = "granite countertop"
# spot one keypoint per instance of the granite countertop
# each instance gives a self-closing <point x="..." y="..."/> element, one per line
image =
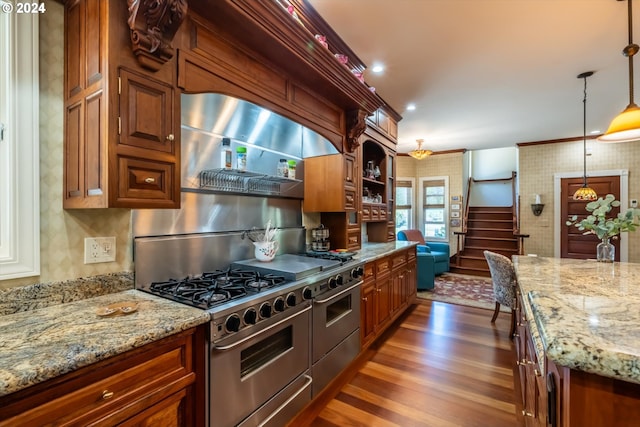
<point x="373" y="251"/>
<point x="41" y="344"/>
<point x="587" y="313"/>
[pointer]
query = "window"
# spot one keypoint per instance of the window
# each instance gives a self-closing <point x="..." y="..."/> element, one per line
<point x="404" y="204"/>
<point x="434" y="205"/>
<point x="19" y="155"/>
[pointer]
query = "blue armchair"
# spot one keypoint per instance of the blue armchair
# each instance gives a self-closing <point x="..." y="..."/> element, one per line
<point x="432" y="257"/>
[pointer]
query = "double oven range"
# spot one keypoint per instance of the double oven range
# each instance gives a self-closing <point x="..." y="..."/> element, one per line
<point x="279" y="331"/>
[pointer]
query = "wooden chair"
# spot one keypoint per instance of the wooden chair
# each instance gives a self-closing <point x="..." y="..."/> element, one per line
<point x="503" y="276"/>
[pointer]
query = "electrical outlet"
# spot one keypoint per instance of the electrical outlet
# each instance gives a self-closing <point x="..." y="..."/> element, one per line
<point x="99" y="249"/>
<point x="634" y="203"/>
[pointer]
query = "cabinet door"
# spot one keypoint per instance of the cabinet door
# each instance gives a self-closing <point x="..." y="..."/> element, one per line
<point x="146" y="113"/>
<point x="368" y="313"/>
<point x="385" y="286"/>
<point x="350" y="171"/>
<point x="411" y="281"/>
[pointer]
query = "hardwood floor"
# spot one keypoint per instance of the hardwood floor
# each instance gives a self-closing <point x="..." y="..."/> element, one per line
<point x="439" y="365"/>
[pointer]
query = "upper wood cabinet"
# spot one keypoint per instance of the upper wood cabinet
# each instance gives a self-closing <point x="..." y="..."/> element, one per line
<point x="122" y="143"/>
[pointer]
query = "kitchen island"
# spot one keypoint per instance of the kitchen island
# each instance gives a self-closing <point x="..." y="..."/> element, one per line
<point x="581" y="333"/>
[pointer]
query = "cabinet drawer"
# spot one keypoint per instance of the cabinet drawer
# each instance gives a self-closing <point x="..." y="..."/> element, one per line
<point x="382" y="213"/>
<point x="145" y="180"/>
<point x="369" y="272"/>
<point x="349" y="199"/>
<point x="111" y="393"/>
<point x="353" y="239"/>
<point x="399" y="260"/>
<point x="366" y="213"/>
<point x="383" y="266"/>
<point x="411" y="254"/>
<point x="375" y="213"/>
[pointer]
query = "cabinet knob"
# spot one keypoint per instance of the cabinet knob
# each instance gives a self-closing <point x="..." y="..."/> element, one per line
<point x="149" y="180"/>
<point x="527" y="414"/>
<point x="379" y="290"/>
<point x="365" y="299"/>
<point x="170" y="137"/>
<point x="536" y="372"/>
<point x="106" y="394"/>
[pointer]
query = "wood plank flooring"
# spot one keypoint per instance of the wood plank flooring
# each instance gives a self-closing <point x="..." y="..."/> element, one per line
<point x="439" y="365"/>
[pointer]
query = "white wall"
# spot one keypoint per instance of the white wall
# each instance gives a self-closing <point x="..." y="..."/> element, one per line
<point x="496" y="163"/>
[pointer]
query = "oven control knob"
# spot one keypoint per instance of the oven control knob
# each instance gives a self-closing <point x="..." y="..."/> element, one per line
<point x="357" y="272"/>
<point x="332" y="283"/>
<point x="291" y="299"/>
<point x="307" y="293"/>
<point x="232" y="324"/>
<point x="339" y="280"/>
<point x="265" y="310"/>
<point x="278" y="304"/>
<point x="250" y="316"/>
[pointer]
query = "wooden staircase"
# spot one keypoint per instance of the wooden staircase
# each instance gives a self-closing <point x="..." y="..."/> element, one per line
<point x="488" y="229"/>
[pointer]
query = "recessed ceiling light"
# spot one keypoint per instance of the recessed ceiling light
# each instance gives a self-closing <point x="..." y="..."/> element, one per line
<point x="594" y="132"/>
<point x="377" y="68"/>
<point x="411" y="107"/>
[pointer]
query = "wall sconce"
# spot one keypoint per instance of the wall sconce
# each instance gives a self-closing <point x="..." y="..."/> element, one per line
<point x="537" y="207"/>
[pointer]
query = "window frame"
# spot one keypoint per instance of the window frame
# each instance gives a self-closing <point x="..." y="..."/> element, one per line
<point x="421" y="195"/>
<point x="412" y="201"/>
<point x="19" y="147"/>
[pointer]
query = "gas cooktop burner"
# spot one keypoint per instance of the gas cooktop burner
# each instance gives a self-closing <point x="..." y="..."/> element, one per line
<point x="216" y="287"/>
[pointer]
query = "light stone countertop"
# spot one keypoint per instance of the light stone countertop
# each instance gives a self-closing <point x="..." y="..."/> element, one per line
<point x="44" y="343"/>
<point x="587" y="313"/>
<point x="373" y="251"/>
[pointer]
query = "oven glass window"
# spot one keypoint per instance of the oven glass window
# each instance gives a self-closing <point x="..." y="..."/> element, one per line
<point x="261" y="353"/>
<point x="338" y="309"/>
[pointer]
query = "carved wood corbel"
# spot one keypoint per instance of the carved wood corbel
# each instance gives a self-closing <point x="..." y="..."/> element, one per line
<point x="356" y="125"/>
<point x="153" y="25"/>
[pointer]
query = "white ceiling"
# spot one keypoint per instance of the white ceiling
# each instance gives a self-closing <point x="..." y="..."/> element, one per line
<point x="490" y="73"/>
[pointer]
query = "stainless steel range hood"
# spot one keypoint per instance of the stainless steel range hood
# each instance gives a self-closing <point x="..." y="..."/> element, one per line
<point x="225" y="116"/>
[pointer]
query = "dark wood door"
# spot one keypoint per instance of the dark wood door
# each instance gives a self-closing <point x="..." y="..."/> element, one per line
<point x="574" y="244"/>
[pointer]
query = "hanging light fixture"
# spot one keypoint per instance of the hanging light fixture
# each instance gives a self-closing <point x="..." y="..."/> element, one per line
<point x="419" y="153"/>
<point x="585" y="193"/>
<point x="625" y="127"/>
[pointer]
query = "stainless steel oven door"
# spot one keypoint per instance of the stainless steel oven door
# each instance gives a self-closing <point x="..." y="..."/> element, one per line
<point x="248" y="371"/>
<point x="335" y="318"/>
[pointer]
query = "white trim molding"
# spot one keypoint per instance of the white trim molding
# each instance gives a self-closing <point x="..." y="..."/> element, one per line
<point x="624" y="201"/>
<point x="19" y="147"/>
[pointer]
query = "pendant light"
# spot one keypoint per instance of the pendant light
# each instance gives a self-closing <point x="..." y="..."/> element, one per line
<point x="585" y="193"/>
<point x="419" y="153"/>
<point x="625" y="127"/>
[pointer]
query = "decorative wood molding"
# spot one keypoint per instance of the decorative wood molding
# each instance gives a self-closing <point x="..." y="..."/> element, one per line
<point x="153" y="25"/>
<point x="356" y="124"/>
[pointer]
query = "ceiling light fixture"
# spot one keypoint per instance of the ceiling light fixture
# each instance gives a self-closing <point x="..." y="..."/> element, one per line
<point x="585" y="193"/>
<point x="377" y="68"/>
<point x="419" y="153"/>
<point x="625" y="127"/>
<point x="411" y="107"/>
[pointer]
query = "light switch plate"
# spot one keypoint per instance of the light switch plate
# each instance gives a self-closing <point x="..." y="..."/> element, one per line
<point x="99" y="249"/>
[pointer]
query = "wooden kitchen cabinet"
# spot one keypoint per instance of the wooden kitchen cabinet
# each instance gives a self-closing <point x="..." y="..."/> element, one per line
<point x="121" y="138"/>
<point x="331" y="187"/>
<point x="161" y="383"/>
<point x="389" y="288"/>
<point x="530" y="369"/>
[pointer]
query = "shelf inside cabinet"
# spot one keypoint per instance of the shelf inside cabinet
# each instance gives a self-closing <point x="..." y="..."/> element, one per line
<point x="239" y="181"/>
<point x="372" y="181"/>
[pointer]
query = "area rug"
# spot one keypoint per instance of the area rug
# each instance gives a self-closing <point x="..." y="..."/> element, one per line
<point x="461" y="289"/>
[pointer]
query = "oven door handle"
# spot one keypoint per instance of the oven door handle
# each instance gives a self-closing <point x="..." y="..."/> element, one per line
<point x="247" y="338"/>
<point x="308" y="381"/>
<point x="332" y="297"/>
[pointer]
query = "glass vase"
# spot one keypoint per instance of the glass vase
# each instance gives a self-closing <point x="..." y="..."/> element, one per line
<point x="605" y="251"/>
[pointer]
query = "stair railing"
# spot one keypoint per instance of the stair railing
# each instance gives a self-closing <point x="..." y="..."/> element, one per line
<point x="460" y="235"/>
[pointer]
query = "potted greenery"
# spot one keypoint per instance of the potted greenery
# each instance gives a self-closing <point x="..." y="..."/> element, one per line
<point x="606" y="228"/>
